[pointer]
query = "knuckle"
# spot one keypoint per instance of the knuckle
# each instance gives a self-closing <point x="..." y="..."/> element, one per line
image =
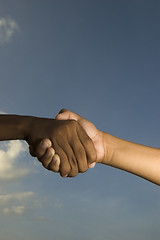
<point x="43" y="160"/>
<point x="80" y="153"/>
<point x="64" y="170"/>
<point x="73" y="162"/>
<point x="91" y="159"/>
<point x="53" y="168"/>
<point x="50" y="152"/>
<point x="74" y="170"/>
<point x="83" y="169"/>
<point x="45" y="164"/>
<point x="73" y="174"/>
<point x="46" y="161"/>
<point x="39" y="152"/>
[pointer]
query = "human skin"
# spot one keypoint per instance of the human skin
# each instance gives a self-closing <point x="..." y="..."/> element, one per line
<point x="67" y="138"/>
<point x="137" y="159"/>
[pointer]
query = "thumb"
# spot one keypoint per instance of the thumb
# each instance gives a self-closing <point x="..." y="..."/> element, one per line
<point x="65" y="114"/>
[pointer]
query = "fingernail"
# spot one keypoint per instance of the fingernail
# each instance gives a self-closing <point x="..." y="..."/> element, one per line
<point x="92" y="165"/>
<point x="49" y="155"/>
<point x="45" y="144"/>
<point x="65" y="176"/>
<point x="54" y="161"/>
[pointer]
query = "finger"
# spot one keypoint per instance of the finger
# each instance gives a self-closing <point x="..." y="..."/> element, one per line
<point x="64" y="167"/>
<point x="42" y="147"/>
<point x="75" y="152"/>
<point x="74" y="166"/>
<point x="87" y="144"/>
<point x="80" y="155"/>
<point x="54" y="165"/>
<point x="92" y="165"/>
<point x="72" y="161"/>
<point x="47" y="157"/>
<point x="65" y="114"/>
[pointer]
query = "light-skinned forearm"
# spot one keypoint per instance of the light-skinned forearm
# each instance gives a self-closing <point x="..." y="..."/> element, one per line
<point x="134" y="158"/>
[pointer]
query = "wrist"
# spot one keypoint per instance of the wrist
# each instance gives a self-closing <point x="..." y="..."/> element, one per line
<point x="109" y="145"/>
<point x="26" y="127"/>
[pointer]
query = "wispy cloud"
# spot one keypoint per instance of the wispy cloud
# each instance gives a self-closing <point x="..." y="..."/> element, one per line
<point x="10" y="153"/>
<point x="8" y="27"/>
<point x="21" y="197"/>
<point x="17" y="203"/>
<point x="15" y="210"/>
<point x="9" y="169"/>
<point x="21" y="204"/>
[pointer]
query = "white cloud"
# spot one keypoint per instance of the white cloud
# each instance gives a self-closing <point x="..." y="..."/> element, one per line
<point x="15" y="210"/>
<point x="17" y="203"/>
<point x="21" y="204"/>
<point x="20" y="197"/>
<point x="8" y="27"/>
<point x="10" y="166"/>
<point x="9" y="154"/>
<point x="42" y="219"/>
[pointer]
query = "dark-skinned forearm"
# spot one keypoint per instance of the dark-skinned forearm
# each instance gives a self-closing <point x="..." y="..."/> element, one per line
<point x="14" y="127"/>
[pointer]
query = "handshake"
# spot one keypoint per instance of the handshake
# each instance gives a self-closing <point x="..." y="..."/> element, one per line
<point x="68" y="144"/>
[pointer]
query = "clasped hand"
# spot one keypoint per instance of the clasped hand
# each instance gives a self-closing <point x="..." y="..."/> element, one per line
<point x="62" y="144"/>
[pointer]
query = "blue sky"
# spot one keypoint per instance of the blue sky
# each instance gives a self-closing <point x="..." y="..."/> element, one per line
<point x="100" y="59"/>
